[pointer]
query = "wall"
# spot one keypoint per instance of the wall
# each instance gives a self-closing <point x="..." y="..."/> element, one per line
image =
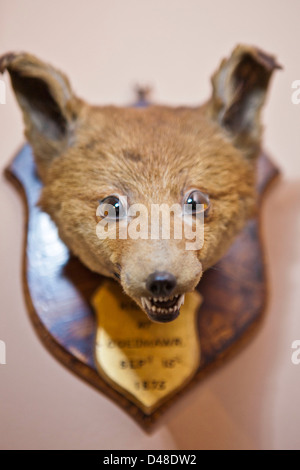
<point x="106" y="47"/>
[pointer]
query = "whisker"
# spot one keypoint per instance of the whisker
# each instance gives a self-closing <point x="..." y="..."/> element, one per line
<point x="217" y="268"/>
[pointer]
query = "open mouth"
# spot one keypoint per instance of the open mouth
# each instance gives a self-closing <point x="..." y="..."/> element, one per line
<point x="163" y="309"/>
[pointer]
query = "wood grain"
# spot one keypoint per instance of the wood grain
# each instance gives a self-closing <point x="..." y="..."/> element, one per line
<point x="58" y="289"/>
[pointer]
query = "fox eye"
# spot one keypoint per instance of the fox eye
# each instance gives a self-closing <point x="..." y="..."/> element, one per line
<point x="195" y="198"/>
<point x="113" y="207"/>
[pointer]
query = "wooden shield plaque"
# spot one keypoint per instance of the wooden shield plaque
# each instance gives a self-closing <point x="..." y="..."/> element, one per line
<point x="59" y="292"/>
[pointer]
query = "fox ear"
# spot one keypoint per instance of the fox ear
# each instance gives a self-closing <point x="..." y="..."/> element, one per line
<point x="239" y="91"/>
<point x="50" y="109"/>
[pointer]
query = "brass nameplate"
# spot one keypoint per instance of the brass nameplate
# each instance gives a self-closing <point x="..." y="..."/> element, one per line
<point x="145" y="361"/>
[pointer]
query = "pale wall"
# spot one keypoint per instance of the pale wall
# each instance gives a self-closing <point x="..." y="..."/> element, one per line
<point x="107" y="46"/>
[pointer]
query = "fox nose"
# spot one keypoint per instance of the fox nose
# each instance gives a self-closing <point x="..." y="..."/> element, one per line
<point x="161" y="284"/>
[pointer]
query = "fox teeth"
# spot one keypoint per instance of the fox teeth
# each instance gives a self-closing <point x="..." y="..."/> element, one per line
<point x="146" y="303"/>
<point x="181" y="300"/>
<point x="163" y="299"/>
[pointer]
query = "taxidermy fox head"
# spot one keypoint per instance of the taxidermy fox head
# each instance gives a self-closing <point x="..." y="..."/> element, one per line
<point x="90" y="158"/>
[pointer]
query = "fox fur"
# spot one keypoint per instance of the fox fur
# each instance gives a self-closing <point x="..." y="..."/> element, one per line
<point x="84" y="153"/>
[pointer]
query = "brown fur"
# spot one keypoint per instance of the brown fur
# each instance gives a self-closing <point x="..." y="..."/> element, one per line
<point x="151" y="155"/>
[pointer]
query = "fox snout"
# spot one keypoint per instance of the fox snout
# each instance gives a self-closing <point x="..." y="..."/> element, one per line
<point x="161" y="285"/>
<point x="157" y="275"/>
